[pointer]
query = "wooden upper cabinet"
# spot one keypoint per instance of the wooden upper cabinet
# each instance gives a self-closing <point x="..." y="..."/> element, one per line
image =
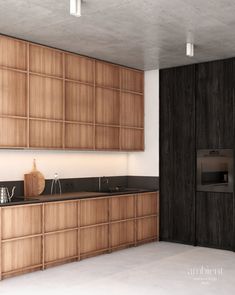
<point x="132" y="110"/>
<point x="132" y="80"/>
<point x="13" y="98"/>
<point x="45" y="134"/>
<point x="79" y="102"/>
<point x="107" y="75"/>
<point x="107" y="138"/>
<point x="132" y="139"/>
<point x="107" y="106"/>
<point x="79" y="136"/>
<point x="45" y="61"/>
<point x="13" y="133"/>
<point x="79" y="68"/>
<point x="45" y="98"/>
<point x="13" y="53"/>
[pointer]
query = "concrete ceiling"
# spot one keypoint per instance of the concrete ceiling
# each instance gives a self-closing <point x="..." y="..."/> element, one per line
<point x="145" y="34"/>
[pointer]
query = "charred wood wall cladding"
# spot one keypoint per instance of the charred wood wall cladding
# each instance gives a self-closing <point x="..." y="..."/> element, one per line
<point x="196" y="112"/>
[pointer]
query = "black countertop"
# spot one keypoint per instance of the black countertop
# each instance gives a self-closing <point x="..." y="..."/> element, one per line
<point x="72" y="196"/>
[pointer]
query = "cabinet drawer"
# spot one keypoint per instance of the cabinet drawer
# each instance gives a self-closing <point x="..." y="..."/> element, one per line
<point x="59" y="216"/>
<point x="122" y="207"/>
<point x="20" y="254"/>
<point x="61" y="246"/>
<point x="147" y="204"/>
<point x="122" y="233"/>
<point x="94" y="239"/>
<point x="21" y="221"/>
<point x="147" y="228"/>
<point x="94" y="211"/>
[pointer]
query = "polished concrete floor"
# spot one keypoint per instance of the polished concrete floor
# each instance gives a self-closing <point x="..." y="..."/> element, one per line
<point x="156" y="268"/>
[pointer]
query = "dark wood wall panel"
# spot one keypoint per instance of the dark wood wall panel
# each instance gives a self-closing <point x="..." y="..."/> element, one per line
<point x="215" y="220"/>
<point x="177" y="155"/>
<point x="215" y="93"/>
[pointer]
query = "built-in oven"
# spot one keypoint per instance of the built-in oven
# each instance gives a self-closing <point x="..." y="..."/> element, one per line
<point x="215" y="170"/>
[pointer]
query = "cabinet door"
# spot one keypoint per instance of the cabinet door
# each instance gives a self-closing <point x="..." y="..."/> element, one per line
<point x="107" y="138"/>
<point x="132" y="110"/>
<point x="215" y="96"/>
<point x="107" y="75"/>
<point x="60" y="216"/>
<point x="21" y="254"/>
<point x="132" y="80"/>
<point x="214" y="219"/>
<point x="122" y="233"/>
<point x="21" y="221"/>
<point x="94" y="211"/>
<point x="61" y="246"/>
<point x="177" y="154"/>
<point x="79" y="136"/>
<point x="94" y="239"/>
<point x="147" y="204"/>
<point x="122" y="208"/>
<point x="132" y="139"/>
<point x="147" y="229"/>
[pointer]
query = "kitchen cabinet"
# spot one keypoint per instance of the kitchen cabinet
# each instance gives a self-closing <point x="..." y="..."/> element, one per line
<point x="52" y="99"/>
<point x="177" y="154"/>
<point x="214" y="104"/>
<point x="39" y="236"/>
<point x="214" y="214"/>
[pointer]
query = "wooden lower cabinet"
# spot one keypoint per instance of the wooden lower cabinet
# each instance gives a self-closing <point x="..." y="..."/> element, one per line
<point x="61" y="246"/>
<point x="94" y="239"/>
<point x="122" y="234"/>
<point x="38" y="236"/>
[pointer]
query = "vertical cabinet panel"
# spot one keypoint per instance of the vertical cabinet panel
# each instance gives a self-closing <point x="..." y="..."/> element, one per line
<point x="61" y="246"/>
<point x="13" y="132"/>
<point x="46" y="98"/>
<point x="215" y="96"/>
<point x="147" y="204"/>
<point x="122" y="233"/>
<point x="132" y="110"/>
<point x="45" y="61"/>
<point x="132" y="139"/>
<point x="45" y="134"/>
<point x="107" y="75"/>
<point x="215" y="220"/>
<point x="94" y="211"/>
<point x="132" y="80"/>
<point x="13" y="98"/>
<point x="79" y="102"/>
<point x="177" y="154"/>
<point x="78" y="136"/>
<point x="20" y="254"/>
<point x="147" y="228"/>
<point x="59" y="216"/>
<point x="13" y="53"/>
<point x="79" y="68"/>
<point x="122" y="207"/>
<point x="21" y="221"/>
<point x="107" y="138"/>
<point x="94" y="239"/>
<point x="107" y="106"/>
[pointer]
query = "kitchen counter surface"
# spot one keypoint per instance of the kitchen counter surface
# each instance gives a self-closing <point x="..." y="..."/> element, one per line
<point x="71" y="196"/>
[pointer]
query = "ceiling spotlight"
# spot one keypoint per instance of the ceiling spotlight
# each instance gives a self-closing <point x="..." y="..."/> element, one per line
<point x="190" y="49"/>
<point x="75" y="7"/>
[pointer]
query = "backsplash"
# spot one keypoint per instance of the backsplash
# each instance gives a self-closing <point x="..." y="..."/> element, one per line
<point x="91" y="184"/>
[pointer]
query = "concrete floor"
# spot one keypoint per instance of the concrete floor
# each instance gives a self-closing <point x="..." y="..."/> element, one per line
<point x="156" y="268"/>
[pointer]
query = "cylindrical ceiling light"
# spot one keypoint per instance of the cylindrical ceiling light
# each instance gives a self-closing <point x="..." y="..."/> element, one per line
<point x="75" y="7"/>
<point x="190" y="49"/>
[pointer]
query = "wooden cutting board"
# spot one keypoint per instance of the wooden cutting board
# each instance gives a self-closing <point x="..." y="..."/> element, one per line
<point x="34" y="182"/>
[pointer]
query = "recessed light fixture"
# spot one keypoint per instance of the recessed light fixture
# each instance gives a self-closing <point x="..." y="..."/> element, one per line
<point x="75" y="7"/>
<point x="190" y="49"/>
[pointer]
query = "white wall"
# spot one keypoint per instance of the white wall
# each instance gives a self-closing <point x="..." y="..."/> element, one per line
<point x="88" y="164"/>
<point x="147" y="163"/>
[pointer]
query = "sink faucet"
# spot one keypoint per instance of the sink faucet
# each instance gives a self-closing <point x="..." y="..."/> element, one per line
<point x="102" y="180"/>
